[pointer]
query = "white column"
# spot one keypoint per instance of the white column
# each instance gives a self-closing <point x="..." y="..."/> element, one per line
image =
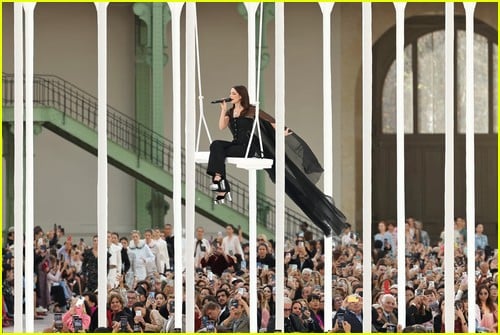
<point x="18" y="166"/>
<point x="29" y="8"/>
<point x="400" y="157"/>
<point x="251" y="8"/>
<point x="252" y="239"/>
<point x="326" y="10"/>
<point x="279" y="108"/>
<point x="190" y="137"/>
<point x="176" y="10"/>
<point x="469" y="160"/>
<point x="367" y="163"/>
<point x="102" y="158"/>
<point x="449" y="162"/>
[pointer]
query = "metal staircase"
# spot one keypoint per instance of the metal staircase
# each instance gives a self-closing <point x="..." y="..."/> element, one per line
<point x="72" y="113"/>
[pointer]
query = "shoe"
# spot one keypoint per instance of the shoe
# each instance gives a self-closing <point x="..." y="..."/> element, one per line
<point x="218" y="185"/>
<point x="41" y="310"/>
<point x="221" y="199"/>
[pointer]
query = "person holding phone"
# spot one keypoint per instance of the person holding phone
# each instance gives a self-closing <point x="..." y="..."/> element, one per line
<point x="116" y="314"/>
<point x="350" y="316"/>
<point x="149" y="320"/>
<point x="76" y="318"/>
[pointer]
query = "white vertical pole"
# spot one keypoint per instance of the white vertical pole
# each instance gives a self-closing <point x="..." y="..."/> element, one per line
<point x="251" y="8"/>
<point x="279" y="107"/>
<point x="176" y="10"/>
<point x="469" y="159"/>
<point x="326" y="10"/>
<point x="102" y="158"/>
<point x="400" y="155"/>
<point x="190" y="137"/>
<point x="449" y="199"/>
<point x="29" y="8"/>
<point x="252" y="237"/>
<point x="18" y="166"/>
<point x="367" y="162"/>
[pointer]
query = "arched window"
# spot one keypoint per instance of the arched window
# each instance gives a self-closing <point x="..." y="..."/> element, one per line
<point x="424" y="122"/>
<point x="425" y="86"/>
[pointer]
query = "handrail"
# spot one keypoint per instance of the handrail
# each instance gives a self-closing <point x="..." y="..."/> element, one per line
<point x="53" y="91"/>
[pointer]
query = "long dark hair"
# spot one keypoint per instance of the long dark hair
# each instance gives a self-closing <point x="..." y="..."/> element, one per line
<point x="245" y="99"/>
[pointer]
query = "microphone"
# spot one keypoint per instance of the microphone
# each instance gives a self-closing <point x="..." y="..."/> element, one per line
<point x="221" y="100"/>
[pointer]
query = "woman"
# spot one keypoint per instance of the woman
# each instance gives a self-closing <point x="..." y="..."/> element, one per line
<point x="487" y="315"/>
<point x="142" y="256"/>
<point x="239" y="118"/>
<point x="116" y="312"/>
<point x="263" y="312"/>
<point x="149" y="320"/>
<point x="77" y="309"/>
<point x="89" y="266"/>
<point x="304" y="314"/>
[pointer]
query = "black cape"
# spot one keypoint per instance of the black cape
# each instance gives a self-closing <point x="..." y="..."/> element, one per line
<point x="302" y="172"/>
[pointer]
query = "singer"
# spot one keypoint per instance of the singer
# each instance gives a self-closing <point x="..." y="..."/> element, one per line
<point x="239" y="118"/>
<point x="302" y="172"/>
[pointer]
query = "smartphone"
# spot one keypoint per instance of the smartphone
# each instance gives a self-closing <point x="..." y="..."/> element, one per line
<point x="77" y="324"/>
<point x="151" y="295"/>
<point x="172" y="306"/>
<point x="58" y="324"/>
<point x="340" y="320"/>
<point x="138" y="313"/>
<point x="123" y="323"/>
<point x="241" y="291"/>
<point x="293" y="267"/>
<point x="210" y="276"/>
<point x="265" y="267"/>
<point x="210" y="326"/>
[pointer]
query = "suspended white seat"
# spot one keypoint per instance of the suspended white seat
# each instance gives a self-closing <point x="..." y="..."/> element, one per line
<point x="250" y="163"/>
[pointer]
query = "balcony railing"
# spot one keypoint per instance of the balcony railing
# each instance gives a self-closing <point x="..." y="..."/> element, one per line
<point x="72" y="101"/>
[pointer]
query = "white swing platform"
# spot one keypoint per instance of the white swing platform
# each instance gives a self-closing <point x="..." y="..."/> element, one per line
<point x="250" y="163"/>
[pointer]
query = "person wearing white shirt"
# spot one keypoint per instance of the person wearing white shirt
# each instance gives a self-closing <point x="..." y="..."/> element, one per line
<point x="142" y="256"/>
<point x="202" y="246"/>
<point x="231" y="243"/>
<point x="162" y="255"/>
<point x="114" y="260"/>
<point x="151" y="267"/>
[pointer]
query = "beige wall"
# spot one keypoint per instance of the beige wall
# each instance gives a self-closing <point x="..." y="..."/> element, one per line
<point x="65" y="45"/>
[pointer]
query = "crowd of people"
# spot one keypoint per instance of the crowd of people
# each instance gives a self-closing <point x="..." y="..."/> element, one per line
<point x="140" y="285"/>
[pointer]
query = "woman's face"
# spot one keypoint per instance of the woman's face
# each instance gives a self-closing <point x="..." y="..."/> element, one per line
<point x="115" y="305"/>
<point x="235" y="96"/>
<point x="296" y="309"/>
<point x="267" y="293"/>
<point x="483" y="294"/>
<point x="160" y="300"/>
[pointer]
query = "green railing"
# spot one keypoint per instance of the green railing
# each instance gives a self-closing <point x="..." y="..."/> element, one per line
<point x="52" y="91"/>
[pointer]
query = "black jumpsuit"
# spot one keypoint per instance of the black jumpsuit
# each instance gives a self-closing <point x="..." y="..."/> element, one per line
<point x="241" y="128"/>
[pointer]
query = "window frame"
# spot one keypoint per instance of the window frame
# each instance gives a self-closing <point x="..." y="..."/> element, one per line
<point x="384" y="54"/>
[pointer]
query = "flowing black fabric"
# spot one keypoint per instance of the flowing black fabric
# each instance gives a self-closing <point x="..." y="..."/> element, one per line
<point x="302" y="171"/>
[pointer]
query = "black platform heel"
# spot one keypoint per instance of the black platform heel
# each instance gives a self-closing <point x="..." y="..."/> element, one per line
<point x="222" y="199"/>
<point x="219" y="185"/>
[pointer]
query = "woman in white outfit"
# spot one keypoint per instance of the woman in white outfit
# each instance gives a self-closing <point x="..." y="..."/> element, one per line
<point x="231" y="243"/>
<point x="142" y="256"/>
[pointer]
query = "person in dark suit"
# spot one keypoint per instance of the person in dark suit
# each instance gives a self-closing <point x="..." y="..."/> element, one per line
<point x="389" y="314"/>
<point x="351" y="313"/>
<point x="292" y="322"/>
